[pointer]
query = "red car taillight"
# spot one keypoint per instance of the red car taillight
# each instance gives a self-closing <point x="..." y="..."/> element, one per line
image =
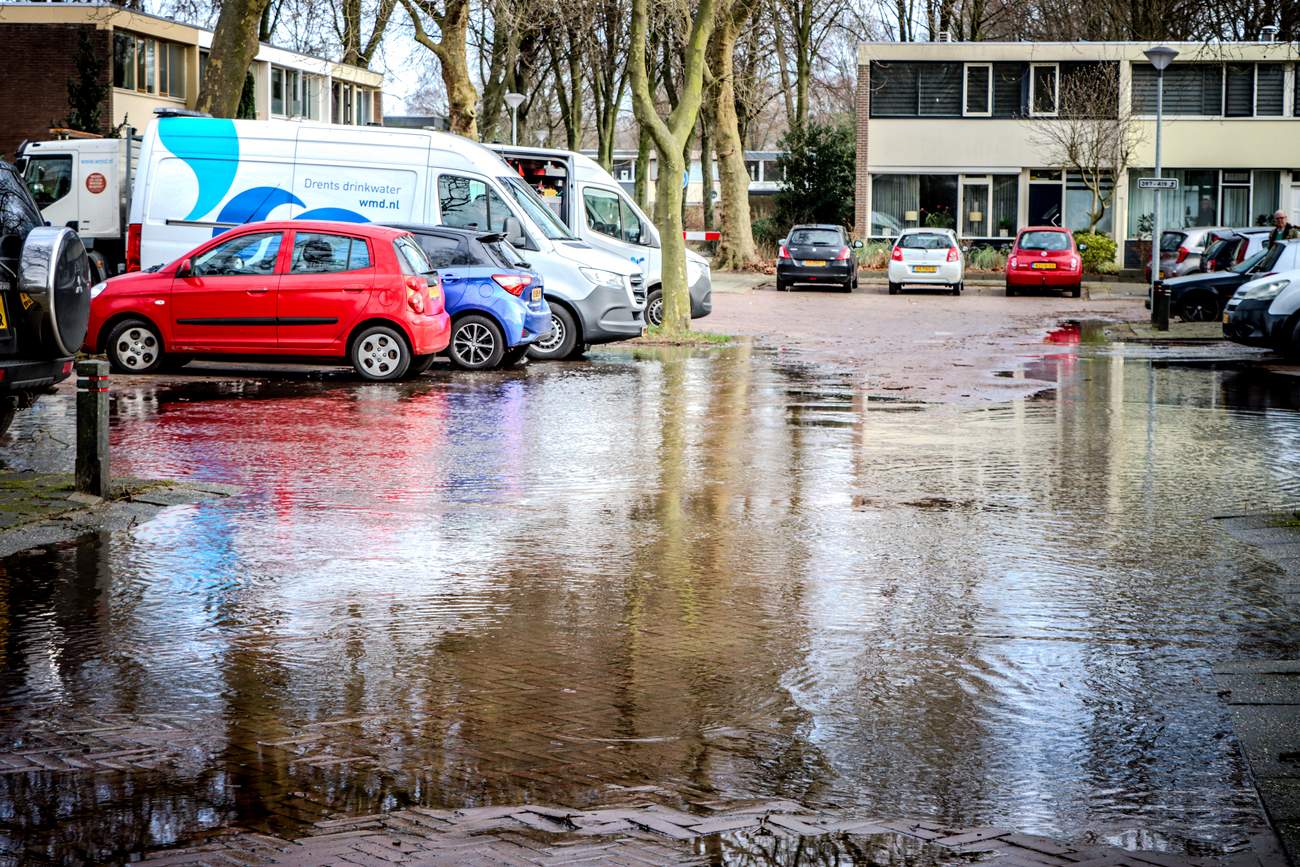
<point x="515" y="284"/>
<point x="1074" y="263"/>
<point x="1013" y="263"/>
<point x="784" y="254"/>
<point x="952" y="254"/>
<point x="897" y="254"/>
<point x="416" y="289"/>
<point x="133" y="247"/>
<point x="1182" y="253"/>
<point x="842" y="255"/>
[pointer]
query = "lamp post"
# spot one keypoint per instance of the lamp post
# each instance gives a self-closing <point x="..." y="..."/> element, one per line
<point x="1160" y="56"/>
<point x="514" y="100"/>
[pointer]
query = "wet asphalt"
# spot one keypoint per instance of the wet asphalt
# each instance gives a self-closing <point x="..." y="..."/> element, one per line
<point x="721" y="573"/>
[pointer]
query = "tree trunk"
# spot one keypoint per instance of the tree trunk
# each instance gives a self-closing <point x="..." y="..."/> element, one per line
<point x="669" y="199"/>
<point x="706" y="166"/>
<point x="462" y="97"/>
<point x="234" y="45"/>
<point x="736" y="250"/>
<point x="641" y="187"/>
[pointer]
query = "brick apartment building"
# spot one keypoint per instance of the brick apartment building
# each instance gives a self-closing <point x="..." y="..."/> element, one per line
<point x="151" y="62"/>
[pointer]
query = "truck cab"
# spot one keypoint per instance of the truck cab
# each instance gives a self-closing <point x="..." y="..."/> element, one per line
<point x="85" y="184"/>
<point x="598" y="210"/>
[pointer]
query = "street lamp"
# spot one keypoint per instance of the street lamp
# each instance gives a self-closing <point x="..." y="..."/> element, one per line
<point x="1160" y="56"/>
<point x="514" y="100"/>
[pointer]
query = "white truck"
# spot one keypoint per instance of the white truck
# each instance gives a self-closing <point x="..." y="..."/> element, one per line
<point x="599" y="211"/>
<point x="85" y="184"/>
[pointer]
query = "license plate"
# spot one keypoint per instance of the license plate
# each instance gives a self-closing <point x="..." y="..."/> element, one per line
<point x="537" y="293"/>
<point x="1045" y="266"/>
<point x="925" y="269"/>
<point x="4" y="318"/>
<point x="815" y="263"/>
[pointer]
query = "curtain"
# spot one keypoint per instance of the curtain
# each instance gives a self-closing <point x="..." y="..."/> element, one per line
<point x="1006" y="192"/>
<point x="892" y="198"/>
<point x="1266" y="195"/>
<point x="1236" y="206"/>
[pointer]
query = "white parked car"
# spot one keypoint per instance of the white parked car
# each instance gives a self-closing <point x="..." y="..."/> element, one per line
<point x="927" y="257"/>
<point x="1266" y="312"/>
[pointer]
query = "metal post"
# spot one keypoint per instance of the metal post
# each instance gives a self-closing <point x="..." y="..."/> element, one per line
<point x="514" y="125"/>
<point x="1160" y="300"/>
<point x="92" y="428"/>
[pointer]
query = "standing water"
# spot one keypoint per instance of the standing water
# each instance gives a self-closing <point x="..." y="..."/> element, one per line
<point x="700" y="576"/>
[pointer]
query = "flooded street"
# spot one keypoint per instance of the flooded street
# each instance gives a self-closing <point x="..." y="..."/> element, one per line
<point x="670" y="574"/>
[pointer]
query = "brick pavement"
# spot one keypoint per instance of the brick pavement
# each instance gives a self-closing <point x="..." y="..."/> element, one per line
<point x="767" y="832"/>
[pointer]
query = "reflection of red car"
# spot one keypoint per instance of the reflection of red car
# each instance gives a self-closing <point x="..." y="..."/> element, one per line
<point x="303" y="290"/>
<point x="1044" y="257"/>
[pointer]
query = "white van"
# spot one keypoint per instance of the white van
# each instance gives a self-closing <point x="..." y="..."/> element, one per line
<point x="599" y="210"/>
<point x="200" y="175"/>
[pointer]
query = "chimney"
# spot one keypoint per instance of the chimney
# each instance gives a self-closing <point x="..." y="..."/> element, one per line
<point x="946" y="35"/>
<point x="1268" y="33"/>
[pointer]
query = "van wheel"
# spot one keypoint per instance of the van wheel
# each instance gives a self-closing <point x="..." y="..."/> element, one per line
<point x="380" y="354"/>
<point x="476" y="343"/>
<point x="654" y="308"/>
<point x="561" y="341"/>
<point x="134" y="346"/>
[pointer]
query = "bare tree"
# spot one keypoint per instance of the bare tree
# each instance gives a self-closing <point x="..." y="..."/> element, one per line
<point x="234" y="45"/>
<point x="1092" y="136"/>
<point x="736" y="249"/>
<point x="350" y="17"/>
<point x="451" y="18"/>
<point x="671" y="136"/>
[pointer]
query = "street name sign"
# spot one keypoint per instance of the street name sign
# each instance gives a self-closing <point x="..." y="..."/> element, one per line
<point x="1157" y="183"/>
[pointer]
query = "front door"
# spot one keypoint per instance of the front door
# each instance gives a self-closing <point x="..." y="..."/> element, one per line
<point x="1045" y="204"/>
<point x="609" y="223"/>
<point x="227" y="301"/>
<point x="324" y="291"/>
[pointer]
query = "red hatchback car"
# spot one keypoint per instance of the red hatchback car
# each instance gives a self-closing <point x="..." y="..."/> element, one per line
<point x="1044" y="257"/>
<point x="307" y="291"/>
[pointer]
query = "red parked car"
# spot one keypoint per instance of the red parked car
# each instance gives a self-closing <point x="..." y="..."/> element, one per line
<point x="300" y="290"/>
<point x="1044" y="257"/>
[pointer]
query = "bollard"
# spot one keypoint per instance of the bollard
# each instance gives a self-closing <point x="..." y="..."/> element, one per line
<point x="92" y="428"/>
<point x="1160" y="307"/>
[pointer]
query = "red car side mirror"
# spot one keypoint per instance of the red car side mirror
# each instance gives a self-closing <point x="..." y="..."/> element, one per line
<point x="185" y="269"/>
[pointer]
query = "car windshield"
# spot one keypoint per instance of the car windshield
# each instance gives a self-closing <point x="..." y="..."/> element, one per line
<point x="1044" y="241"/>
<point x="924" y="241"/>
<point x="536" y="209"/>
<point x="1170" y="241"/>
<point x="815" y="238"/>
<point x="1264" y="260"/>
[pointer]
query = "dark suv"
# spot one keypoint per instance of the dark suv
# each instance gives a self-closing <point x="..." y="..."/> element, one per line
<point x="44" y="299"/>
<point x="817" y="254"/>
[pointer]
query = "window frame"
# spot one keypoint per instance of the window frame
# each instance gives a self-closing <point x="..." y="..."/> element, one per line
<point x="618" y="211"/>
<point x="988" y="90"/>
<point x="352" y="239"/>
<point x="1056" y="89"/>
<point x="222" y="240"/>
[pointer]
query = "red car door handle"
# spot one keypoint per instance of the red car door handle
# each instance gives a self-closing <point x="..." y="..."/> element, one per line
<point x="257" y="291"/>
<point x="355" y="288"/>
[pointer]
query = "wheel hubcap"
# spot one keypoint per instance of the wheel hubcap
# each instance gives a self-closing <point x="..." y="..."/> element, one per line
<point x="654" y="314"/>
<point x="473" y="344"/>
<point x="555" y="338"/>
<point x="137" y="348"/>
<point x="379" y="354"/>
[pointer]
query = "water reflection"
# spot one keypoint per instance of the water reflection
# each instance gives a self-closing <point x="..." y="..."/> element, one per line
<point x="688" y="575"/>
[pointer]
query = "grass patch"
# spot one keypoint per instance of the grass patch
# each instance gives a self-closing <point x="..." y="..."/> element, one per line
<point x="1293" y="521"/>
<point x="655" y="336"/>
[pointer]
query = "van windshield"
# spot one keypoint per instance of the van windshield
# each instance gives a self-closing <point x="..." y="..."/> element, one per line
<point x="536" y="209"/>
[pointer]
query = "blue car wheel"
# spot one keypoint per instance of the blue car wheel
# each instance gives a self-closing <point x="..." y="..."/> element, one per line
<point x="476" y="343"/>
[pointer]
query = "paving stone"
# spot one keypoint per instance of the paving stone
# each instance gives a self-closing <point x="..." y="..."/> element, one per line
<point x="1270" y="688"/>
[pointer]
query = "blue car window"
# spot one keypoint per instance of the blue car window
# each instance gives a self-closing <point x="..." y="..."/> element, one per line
<point x="444" y="252"/>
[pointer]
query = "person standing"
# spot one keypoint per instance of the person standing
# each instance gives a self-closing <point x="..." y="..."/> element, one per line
<point x="1282" y="230"/>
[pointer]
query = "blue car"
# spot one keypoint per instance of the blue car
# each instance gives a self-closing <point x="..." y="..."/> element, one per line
<point x="496" y="304"/>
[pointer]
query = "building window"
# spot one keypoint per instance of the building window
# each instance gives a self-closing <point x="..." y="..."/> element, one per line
<point x="149" y="65"/>
<point x="903" y="201"/>
<point x="1235" y="191"/>
<point x="1239" y="92"/>
<point x="939" y="90"/>
<point x="977" y="91"/>
<point x="1266" y="196"/>
<point x="1270" y="84"/>
<point x="1193" y="204"/>
<point x="1079" y="204"/>
<point x="277" y="91"/>
<point x="1044" y="81"/>
<point x="1005" y="211"/>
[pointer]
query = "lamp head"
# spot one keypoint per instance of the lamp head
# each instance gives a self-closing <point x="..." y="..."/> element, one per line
<point x="1160" y="56"/>
<point x="514" y="100"/>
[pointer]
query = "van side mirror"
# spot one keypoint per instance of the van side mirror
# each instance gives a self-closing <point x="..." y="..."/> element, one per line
<point x="185" y="269"/>
<point x="857" y="244"/>
<point x="514" y="232"/>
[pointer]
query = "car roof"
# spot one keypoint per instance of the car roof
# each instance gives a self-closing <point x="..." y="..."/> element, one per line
<point x="373" y="230"/>
<point x="817" y="226"/>
<point x="1044" y="229"/>
<point x="912" y="230"/>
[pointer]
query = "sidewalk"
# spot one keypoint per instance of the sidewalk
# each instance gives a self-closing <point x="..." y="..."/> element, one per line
<point x="740" y="282"/>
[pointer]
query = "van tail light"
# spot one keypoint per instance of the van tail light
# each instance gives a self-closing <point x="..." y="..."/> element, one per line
<point x="1182" y="253"/>
<point x="952" y="254"/>
<point x="416" y="289"/>
<point x="515" y="284"/>
<point x="897" y="254"/>
<point x="133" y="247"/>
<point x="842" y="255"/>
<point x="784" y="254"/>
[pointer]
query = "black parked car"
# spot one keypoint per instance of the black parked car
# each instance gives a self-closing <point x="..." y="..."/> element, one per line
<point x="44" y="299"/>
<point x="817" y="255"/>
<point x="1201" y="297"/>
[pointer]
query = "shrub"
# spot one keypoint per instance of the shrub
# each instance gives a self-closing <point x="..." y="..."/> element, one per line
<point x="874" y="255"/>
<point x="986" y="258"/>
<point x="766" y="231"/>
<point x="818" y="166"/>
<point x="1100" y="252"/>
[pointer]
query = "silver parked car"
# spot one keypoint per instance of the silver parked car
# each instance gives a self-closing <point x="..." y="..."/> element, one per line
<point x="1181" y="249"/>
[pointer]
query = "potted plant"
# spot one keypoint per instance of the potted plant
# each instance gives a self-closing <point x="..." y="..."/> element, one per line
<point x="1004" y="228"/>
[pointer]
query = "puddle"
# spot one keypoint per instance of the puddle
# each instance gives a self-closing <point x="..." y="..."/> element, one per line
<point x="713" y="574"/>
